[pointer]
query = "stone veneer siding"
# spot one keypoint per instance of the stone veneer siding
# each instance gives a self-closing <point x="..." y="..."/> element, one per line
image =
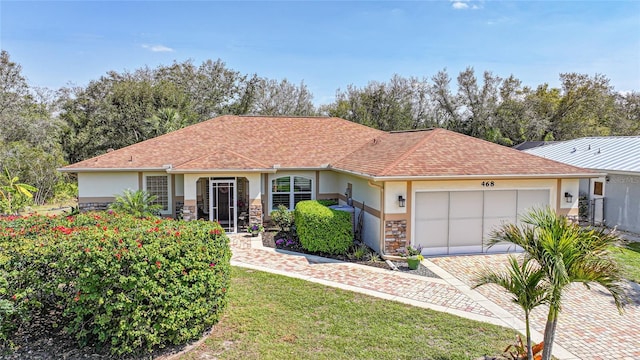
<point x="395" y="236"/>
<point x="94" y="206"/>
<point x="189" y="212"/>
<point x="255" y="214"/>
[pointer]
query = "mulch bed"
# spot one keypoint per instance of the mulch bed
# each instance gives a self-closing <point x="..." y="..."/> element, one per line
<point x="38" y="343"/>
<point x="268" y="240"/>
<point x="42" y="341"/>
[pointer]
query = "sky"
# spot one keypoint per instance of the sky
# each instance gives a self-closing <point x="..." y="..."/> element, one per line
<point x="327" y="44"/>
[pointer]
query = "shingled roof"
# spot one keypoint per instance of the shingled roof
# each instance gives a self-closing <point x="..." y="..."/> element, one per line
<point x="241" y="142"/>
<point x="441" y="153"/>
<point x="254" y="143"/>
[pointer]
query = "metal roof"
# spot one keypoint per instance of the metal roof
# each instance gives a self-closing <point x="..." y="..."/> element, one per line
<point x="613" y="153"/>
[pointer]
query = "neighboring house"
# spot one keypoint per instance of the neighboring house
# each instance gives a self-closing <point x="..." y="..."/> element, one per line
<point x="531" y="144"/>
<point x="435" y="188"/>
<point x="615" y="198"/>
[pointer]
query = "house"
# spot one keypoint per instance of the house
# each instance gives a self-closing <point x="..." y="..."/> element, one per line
<point x="614" y="198"/>
<point x="531" y="144"/>
<point x="435" y="188"/>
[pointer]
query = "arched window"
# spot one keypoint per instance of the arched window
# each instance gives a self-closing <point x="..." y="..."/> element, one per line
<point x="290" y="190"/>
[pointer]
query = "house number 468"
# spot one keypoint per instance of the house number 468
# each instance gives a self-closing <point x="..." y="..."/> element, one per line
<point x="488" y="183"/>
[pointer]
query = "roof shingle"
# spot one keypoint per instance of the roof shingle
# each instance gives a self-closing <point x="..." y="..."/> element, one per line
<point x="254" y="143"/>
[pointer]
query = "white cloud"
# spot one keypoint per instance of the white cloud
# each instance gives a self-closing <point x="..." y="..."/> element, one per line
<point x="157" y="48"/>
<point x="458" y="5"/>
<point x="466" y="4"/>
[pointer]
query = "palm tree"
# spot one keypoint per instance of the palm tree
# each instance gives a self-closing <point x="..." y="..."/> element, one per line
<point x="566" y="253"/>
<point x="525" y="282"/>
<point x="137" y="203"/>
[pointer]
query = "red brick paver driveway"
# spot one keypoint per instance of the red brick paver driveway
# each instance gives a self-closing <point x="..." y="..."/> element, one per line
<point x="589" y="325"/>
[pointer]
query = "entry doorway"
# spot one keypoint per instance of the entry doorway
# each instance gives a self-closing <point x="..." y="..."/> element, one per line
<point x="222" y="203"/>
<point x="224" y="199"/>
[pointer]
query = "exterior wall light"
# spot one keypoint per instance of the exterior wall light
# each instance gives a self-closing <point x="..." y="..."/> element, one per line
<point x="401" y="201"/>
<point x="568" y="197"/>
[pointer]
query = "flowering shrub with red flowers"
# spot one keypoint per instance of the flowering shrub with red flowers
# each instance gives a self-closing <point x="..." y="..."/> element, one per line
<point x="114" y="280"/>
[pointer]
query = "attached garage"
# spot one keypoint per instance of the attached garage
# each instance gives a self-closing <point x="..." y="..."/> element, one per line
<point x="456" y="222"/>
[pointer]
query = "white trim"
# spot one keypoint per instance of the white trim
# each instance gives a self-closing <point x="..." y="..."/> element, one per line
<point x="467" y="177"/>
<point x="77" y="170"/>
<point x="619" y="172"/>
<point x="216" y="171"/>
<point x="483" y="177"/>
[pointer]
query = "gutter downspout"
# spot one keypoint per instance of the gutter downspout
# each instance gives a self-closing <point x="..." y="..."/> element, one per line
<point x="381" y="239"/>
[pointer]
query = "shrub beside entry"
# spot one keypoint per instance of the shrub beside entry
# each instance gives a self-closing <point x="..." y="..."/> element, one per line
<point x="321" y="229"/>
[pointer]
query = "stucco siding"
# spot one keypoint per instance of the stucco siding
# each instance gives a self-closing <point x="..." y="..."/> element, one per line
<point x="328" y="183"/>
<point x="179" y="184"/>
<point x="106" y="184"/>
<point x="571" y="186"/>
<point x="393" y="189"/>
<point x="371" y="232"/>
<point x="361" y="190"/>
<point x="622" y="202"/>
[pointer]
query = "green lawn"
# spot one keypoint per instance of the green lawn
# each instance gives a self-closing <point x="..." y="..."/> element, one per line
<point x="629" y="258"/>
<point x="57" y="208"/>
<point x="275" y="317"/>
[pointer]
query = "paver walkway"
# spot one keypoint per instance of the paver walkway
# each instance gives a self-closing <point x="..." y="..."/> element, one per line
<point x="589" y="326"/>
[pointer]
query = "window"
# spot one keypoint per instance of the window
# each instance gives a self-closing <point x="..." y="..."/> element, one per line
<point x="159" y="186"/>
<point x="597" y="188"/>
<point x="290" y="190"/>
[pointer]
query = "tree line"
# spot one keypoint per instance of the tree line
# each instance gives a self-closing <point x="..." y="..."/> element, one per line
<point x="43" y="129"/>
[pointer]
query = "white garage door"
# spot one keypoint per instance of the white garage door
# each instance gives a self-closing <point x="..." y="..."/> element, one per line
<point x="456" y="222"/>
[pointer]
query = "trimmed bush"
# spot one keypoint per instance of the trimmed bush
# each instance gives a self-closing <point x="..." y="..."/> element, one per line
<point x="321" y="229"/>
<point x="115" y="281"/>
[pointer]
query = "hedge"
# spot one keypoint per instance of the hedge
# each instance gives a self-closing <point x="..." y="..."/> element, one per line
<point x="115" y="281"/>
<point x="321" y="229"/>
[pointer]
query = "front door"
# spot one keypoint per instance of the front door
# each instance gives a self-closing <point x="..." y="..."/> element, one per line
<point x="222" y="203"/>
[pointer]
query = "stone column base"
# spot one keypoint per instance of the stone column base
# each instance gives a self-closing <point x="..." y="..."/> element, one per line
<point x="255" y="213"/>
<point x="83" y="207"/>
<point x="189" y="213"/>
<point x="395" y="236"/>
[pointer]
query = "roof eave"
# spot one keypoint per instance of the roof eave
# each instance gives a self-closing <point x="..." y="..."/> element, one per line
<point x="351" y="172"/>
<point x="485" y="177"/>
<point x="198" y="171"/>
<point x="79" y="170"/>
<point x="271" y="170"/>
<point x="619" y="172"/>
